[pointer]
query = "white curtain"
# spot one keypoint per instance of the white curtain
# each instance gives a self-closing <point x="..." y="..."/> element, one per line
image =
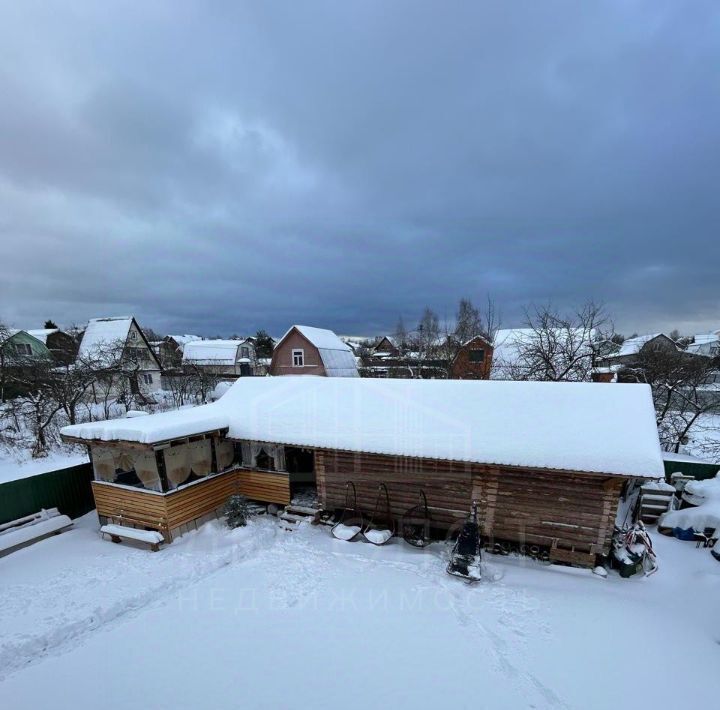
<point x="177" y="464"/>
<point x="146" y="469"/>
<point x="200" y="457"/>
<point x="103" y="463"/>
<point x="251" y="450"/>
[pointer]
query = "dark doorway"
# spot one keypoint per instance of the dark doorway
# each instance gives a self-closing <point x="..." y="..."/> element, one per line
<point x="300" y="464"/>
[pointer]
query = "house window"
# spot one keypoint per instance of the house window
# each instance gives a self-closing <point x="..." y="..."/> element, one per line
<point x="264" y="461"/>
<point x="477" y="355"/>
<point x="298" y="358"/>
<point x="23" y="349"/>
<point x="133" y="335"/>
<point x="245" y="352"/>
<point x="147" y="379"/>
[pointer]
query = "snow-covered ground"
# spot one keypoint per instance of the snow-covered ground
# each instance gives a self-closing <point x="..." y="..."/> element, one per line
<point x="262" y="618"/>
<point x="19" y="464"/>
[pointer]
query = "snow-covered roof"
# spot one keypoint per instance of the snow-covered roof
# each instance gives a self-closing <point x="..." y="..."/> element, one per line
<point x="153" y="428"/>
<point x="507" y="344"/>
<point x="42" y="333"/>
<point x="103" y="334"/>
<point x="712" y="337"/>
<point x="183" y="340"/>
<point x="337" y="357"/>
<point x="706" y="344"/>
<point x="632" y="346"/>
<point x="212" y="352"/>
<point x="562" y="426"/>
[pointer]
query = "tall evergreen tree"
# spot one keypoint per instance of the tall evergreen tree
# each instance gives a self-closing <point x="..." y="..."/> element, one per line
<point x="264" y="344"/>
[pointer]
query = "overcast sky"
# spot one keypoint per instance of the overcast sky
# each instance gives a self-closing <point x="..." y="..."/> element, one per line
<point x="218" y="167"/>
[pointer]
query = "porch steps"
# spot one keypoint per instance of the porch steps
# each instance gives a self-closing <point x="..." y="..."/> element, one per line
<point x="293" y="515"/>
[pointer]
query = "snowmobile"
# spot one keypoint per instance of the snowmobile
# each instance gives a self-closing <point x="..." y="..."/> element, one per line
<point x="351" y="519"/>
<point x="633" y="551"/>
<point x="380" y="527"/>
<point x="416" y="523"/>
<point x="466" y="554"/>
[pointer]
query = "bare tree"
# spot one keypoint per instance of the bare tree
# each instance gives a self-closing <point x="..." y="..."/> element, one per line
<point x="202" y="380"/>
<point x="36" y="406"/>
<point x="400" y="336"/>
<point x="679" y="383"/>
<point x="425" y="342"/>
<point x="560" y="347"/>
<point x="468" y="322"/>
<point x="72" y="384"/>
<point x="5" y="357"/>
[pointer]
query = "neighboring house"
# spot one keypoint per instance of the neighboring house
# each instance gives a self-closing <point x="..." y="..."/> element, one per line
<point x="234" y="358"/>
<point x="633" y="348"/>
<point x="304" y="350"/>
<point x="545" y="463"/>
<point x="707" y="344"/>
<point x="403" y="360"/>
<point x="62" y="346"/>
<point x="170" y="349"/>
<point x="119" y="345"/>
<point x="473" y="360"/>
<point x="386" y="347"/>
<point x="19" y="344"/>
<point x="18" y="349"/>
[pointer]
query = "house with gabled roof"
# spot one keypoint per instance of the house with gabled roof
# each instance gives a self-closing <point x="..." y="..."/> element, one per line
<point x="639" y="345"/>
<point x="62" y="346"/>
<point x="456" y="440"/>
<point x="473" y="360"/>
<point x="707" y="344"/>
<point x="231" y="358"/>
<point x="118" y="345"/>
<point x="305" y="350"/>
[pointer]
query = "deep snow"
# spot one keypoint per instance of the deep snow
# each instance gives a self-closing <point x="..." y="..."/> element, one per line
<point x="258" y="617"/>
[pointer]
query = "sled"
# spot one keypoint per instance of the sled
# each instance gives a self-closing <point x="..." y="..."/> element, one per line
<point x="351" y="521"/>
<point x="466" y="555"/>
<point x="380" y="527"/>
<point x="416" y="523"/>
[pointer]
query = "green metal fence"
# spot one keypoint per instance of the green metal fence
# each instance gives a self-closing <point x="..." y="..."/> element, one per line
<point x="68" y="490"/>
<point x="699" y="470"/>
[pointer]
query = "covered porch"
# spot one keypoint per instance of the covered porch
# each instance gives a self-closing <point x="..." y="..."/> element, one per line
<point x="169" y="485"/>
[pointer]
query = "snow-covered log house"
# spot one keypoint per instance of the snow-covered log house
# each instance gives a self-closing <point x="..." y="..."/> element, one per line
<point x="547" y="462"/>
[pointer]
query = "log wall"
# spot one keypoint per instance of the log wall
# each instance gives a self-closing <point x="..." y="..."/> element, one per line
<point x="572" y="514"/>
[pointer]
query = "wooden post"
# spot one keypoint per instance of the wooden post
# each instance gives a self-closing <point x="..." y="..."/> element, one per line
<point x="160" y="462"/>
<point x="213" y="456"/>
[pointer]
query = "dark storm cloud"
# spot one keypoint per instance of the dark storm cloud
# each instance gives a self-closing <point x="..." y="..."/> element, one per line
<point x="219" y="167"/>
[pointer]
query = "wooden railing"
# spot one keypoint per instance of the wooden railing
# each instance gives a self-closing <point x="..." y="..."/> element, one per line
<point x="168" y="511"/>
